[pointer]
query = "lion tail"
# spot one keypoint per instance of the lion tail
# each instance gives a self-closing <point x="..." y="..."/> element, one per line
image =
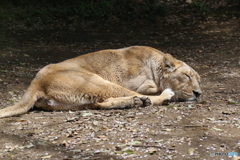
<point x="25" y="104"/>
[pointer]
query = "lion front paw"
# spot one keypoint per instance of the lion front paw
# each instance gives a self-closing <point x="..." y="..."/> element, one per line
<point x="141" y="101"/>
<point x="168" y="94"/>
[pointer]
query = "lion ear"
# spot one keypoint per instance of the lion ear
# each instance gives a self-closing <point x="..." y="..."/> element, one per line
<point x="170" y="63"/>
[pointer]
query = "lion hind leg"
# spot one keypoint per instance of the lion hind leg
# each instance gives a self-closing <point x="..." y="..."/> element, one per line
<point x="58" y="101"/>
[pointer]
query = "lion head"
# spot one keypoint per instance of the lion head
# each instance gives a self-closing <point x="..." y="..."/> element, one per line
<point x="182" y="79"/>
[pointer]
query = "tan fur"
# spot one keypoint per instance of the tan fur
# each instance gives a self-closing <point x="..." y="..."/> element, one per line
<point x="129" y="77"/>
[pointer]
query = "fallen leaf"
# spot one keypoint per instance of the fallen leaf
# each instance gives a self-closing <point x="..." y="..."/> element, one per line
<point x="118" y="148"/>
<point x="132" y="143"/>
<point x="95" y="123"/>
<point x="237" y="125"/>
<point x="211" y="119"/>
<point x="29" y="145"/>
<point x="152" y="150"/>
<point x="167" y="129"/>
<point x="172" y="106"/>
<point x="129" y="151"/>
<point x="69" y="135"/>
<point x="231" y="101"/>
<point x="169" y="156"/>
<point x="158" y="141"/>
<point x="26" y="55"/>
<point x="191" y="150"/>
<point x="222" y="88"/>
<point x="101" y="136"/>
<point x="79" y="122"/>
<point x="228" y="112"/>
<point x="72" y="119"/>
<point x="64" y="143"/>
<point x="87" y="114"/>
<point x="125" y="141"/>
<point x="118" y="152"/>
<point x="217" y="129"/>
<point x="85" y="142"/>
<point x="46" y="157"/>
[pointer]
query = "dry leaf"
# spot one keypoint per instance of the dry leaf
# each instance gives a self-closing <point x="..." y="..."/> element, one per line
<point x="46" y="157"/>
<point x="191" y="150"/>
<point x="101" y="136"/>
<point x="152" y="150"/>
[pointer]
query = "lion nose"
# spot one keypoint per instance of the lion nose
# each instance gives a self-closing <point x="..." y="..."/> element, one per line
<point x="197" y="93"/>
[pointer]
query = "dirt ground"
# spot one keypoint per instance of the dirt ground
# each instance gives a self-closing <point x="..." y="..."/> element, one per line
<point x="175" y="131"/>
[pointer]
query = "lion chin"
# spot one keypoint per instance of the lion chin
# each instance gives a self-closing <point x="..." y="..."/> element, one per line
<point x="191" y="99"/>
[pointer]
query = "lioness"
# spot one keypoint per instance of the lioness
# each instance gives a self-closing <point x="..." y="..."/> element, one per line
<point x="128" y="77"/>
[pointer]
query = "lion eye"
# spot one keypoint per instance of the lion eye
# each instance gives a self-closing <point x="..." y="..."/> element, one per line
<point x="188" y="76"/>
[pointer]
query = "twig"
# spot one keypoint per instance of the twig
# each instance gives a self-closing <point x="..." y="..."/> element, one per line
<point x="189" y="126"/>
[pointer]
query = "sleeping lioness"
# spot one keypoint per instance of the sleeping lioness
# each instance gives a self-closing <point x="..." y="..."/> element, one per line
<point x="136" y="76"/>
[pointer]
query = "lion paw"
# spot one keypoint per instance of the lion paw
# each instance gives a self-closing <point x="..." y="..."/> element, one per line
<point x="141" y="101"/>
<point x="146" y="101"/>
<point x="168" y="94"/>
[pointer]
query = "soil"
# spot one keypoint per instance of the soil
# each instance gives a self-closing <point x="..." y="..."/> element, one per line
<point x="175" y="131"/>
